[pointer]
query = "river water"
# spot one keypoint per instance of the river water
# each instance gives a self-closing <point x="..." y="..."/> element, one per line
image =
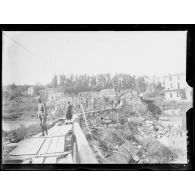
<point x="10" y="125"/>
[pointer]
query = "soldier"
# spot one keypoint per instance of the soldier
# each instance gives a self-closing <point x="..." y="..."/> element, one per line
<point x="69" y="111"/>
<point x="42" y="115"/>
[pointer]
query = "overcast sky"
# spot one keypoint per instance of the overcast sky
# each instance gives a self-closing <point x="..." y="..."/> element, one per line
<point x="33" y="56"/>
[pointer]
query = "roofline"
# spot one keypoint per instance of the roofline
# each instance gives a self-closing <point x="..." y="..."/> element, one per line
<point x="174" y="75"/>
<point x="166" y="90"/>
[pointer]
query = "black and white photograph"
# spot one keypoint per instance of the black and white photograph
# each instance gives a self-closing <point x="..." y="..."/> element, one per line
<point x="94" y="97"/>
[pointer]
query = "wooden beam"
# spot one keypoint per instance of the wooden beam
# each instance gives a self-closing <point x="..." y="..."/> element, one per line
<point x="53" y="145"/>
<point x="85" y="153"/>
<point x="29" y="146"/>
<point x="60" y="144"/>
<point x="38" y="160"/>
<point x="45" y="146"/>
<point x="50" y="160"/>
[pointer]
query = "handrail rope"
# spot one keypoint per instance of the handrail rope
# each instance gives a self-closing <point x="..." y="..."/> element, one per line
<point x="91" y="132"/>
<point x="86" y="121"/>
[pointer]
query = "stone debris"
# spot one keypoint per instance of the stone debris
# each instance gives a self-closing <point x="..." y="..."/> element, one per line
<point x="124" y="130"/>
<point x="125" y="153"/>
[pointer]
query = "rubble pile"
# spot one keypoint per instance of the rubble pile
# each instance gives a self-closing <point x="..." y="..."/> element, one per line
<point x="153" y="151"/>
<point x="132" y="135"/>
<point x="127" y="153"/>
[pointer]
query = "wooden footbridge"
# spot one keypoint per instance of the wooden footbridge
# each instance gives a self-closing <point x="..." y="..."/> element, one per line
<point x="65" y="143"/>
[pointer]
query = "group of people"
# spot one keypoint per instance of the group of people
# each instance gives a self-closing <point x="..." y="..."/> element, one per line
<point x="42" y="114"/>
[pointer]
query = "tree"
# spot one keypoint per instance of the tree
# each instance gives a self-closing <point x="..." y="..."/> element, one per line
<point x="12" y="91"/>
<point x="141" y="84"/>
<point x="93" y="83"/>
<point x="54" y="81"/>
<point x="159" y="87"/>
<point x="108" y="81"/>
<point x="115" y="81"/>
<point x="62" y="80"/>
<point x="13" y="87"/>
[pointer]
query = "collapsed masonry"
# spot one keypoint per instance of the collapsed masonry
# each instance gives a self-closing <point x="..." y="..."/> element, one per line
<point x="133" y="134"/>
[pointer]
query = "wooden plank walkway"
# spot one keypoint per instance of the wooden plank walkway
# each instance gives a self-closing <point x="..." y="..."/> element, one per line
<point x="28" y="147"/>
<point x="53" y="145"/>
<point x="43" y="149"/>
<point x="61" y="144"/>
<point x="64" y="144"/>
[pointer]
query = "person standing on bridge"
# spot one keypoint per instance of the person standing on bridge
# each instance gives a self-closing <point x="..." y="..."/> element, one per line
<point x="42" y="115"/>
<point x="69" y="111"/>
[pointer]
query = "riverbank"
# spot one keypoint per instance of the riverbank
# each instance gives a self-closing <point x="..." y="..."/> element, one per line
<point x="9" y="125"/>
<point x="25" y="109"/>
<point x="11" y="138"/>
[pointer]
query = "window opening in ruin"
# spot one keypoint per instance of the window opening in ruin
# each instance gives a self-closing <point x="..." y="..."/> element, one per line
<point x="178" y="85"/>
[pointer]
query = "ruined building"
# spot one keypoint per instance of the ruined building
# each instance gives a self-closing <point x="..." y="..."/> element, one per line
<point x="176" y="87"/>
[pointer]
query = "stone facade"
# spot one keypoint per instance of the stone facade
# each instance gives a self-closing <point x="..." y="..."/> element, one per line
<point x="176" y="87"/>
<point x="108" y="93"/>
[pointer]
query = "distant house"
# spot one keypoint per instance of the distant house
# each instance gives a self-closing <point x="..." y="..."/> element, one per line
<point x="31" y="91"/>
<point x="51" y="94"/>
<point x="176" y="87"/>
<point x="108" y="93"/>
<point x="55" y="96"/>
